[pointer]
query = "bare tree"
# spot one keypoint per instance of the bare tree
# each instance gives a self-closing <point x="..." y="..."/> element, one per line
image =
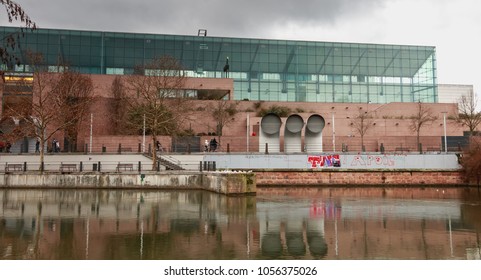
<point x="223" y="112"/>
<point x="75" y="92"/>
<point x="14" y="13"/>
<point x="161" y="99"/>
<point x="471" y="161"/>
<point x="118" y="106"/>
<point x="467" y="114"/>
<point x="421" y="118"/>
<point x="362" y="124"/>
<point x="41" y="111"/>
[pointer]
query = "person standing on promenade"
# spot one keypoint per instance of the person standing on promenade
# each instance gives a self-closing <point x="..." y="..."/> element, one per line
<point x="54" y="145"/>
<point x="213" y="145"/>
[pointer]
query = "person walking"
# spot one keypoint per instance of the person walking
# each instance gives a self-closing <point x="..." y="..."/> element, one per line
<point x="54" y="145"/>
<point x="37" y="146"/>
<point x="206" y="145"/>
<point x="213" y="145"/>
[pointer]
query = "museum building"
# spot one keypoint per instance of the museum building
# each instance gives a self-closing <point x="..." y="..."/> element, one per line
<point x="315" y="75"/>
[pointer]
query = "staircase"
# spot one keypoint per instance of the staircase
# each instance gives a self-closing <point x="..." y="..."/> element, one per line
<point x="170" y="163"/>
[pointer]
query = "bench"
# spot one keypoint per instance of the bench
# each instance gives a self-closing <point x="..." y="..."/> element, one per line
<point x="68" y="167"/>
<point x="401" y="149"/>
<point x="433" y="149"/>
<point x="125" y="167"/>
<point x="125" y="150"/>
<point x="13" y="167"/>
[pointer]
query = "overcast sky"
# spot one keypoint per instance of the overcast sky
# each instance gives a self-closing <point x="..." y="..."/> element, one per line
<point x="453" y="27"/>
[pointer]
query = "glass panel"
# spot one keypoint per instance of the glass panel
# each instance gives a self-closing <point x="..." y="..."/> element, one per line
<point x="287" y="70"/>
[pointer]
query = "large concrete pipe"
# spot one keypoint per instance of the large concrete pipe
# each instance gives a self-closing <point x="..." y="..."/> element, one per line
<point x="270" y="133"/>
<point x="313" y="138"/>
<point x="292" y="134"/>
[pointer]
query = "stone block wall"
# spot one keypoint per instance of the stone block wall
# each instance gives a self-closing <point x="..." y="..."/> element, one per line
<point x="357" y="178"/>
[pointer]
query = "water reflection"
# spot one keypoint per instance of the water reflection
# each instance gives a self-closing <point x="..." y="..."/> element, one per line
<point x="287" y="223"/>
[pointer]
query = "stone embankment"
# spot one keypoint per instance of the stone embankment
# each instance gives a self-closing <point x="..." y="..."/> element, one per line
<point x="338" y="177"/>
<point x="224" y="183"/>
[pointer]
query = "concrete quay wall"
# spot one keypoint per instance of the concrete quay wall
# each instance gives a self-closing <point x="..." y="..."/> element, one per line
<point x="375" y="177"/>
<point x="223" y="183"/>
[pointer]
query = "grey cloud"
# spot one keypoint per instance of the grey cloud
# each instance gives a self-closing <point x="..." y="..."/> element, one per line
<point x="220" y="17"/>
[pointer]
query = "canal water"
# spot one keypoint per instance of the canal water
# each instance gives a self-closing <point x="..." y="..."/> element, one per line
<point x="278" y="223"/>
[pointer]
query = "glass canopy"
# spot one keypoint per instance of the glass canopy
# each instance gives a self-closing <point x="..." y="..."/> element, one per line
<point x="271" y="70"/>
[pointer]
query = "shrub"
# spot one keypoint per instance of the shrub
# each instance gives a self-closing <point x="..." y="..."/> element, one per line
<point x="280" y="111"/>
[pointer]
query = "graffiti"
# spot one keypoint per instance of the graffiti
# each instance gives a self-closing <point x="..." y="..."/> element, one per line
<point x="372" y="160"/>
<point x="329" y="210"/>
<point x="324" y="161"/>
<point x="283" y="157"/>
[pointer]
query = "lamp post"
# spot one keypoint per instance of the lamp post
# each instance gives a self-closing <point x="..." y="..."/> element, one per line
<point x="248" y="133"/>
<point x="445" y="137"/>
<point x="333" y="134"/>
<point x="143" y="137"/>
<point x="91" y="130"/>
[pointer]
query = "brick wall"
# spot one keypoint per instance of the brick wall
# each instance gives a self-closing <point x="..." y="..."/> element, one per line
<point x="392" y="121"/>
<point x="365" y="177"/>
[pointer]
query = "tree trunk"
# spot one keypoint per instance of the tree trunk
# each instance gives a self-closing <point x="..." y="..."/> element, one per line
<point x="418" y="138"/>
<point x="154" y="152"/>
<point x="42" y="154"/>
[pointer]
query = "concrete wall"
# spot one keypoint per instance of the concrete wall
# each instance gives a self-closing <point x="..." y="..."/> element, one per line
<point x="346" y="161"/>
<point x="224" y="183"/>
<point x="453" y="93"/>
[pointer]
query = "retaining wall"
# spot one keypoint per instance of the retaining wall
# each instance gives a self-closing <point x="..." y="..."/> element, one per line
<point x="333" y="177"/>
<point x="224" y="183"/>
<point x="369" y="161"/>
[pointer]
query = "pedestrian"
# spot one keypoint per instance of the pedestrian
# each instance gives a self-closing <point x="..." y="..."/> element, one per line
<point x="213" y="145"/>
<point x="54" y="145"/>
<point x="37" y="146"/>
<point x="206" y="145"/>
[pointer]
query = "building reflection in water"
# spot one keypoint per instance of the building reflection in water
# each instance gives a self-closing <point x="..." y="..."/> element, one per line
<point x="294" y="223"/>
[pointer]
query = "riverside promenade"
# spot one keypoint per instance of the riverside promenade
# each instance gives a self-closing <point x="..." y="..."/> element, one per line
<point x="108" y="171"/>
<point x="246" y="171"/>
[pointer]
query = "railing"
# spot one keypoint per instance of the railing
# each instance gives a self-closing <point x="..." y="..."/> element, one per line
<point x="79" y="166"/>
<point x="123" y="166"/>
<point x="404" y="144"/>
<point x="170" y="163"/>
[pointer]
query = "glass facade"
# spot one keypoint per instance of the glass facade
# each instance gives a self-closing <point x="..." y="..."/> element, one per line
<point x="270" y="70"/>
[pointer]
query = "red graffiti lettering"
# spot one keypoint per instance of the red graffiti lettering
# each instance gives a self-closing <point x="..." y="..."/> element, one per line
<point x="324" y="161"/>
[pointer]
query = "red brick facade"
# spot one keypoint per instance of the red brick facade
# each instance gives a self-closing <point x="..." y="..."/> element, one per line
<point x="391" y="122"/>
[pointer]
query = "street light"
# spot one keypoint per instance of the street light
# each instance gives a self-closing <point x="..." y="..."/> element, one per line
<point x="91" y="131"/>
<point x="333" y="134"/>
<point x="143" y="137"/>
<point x="445" y="137"/>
